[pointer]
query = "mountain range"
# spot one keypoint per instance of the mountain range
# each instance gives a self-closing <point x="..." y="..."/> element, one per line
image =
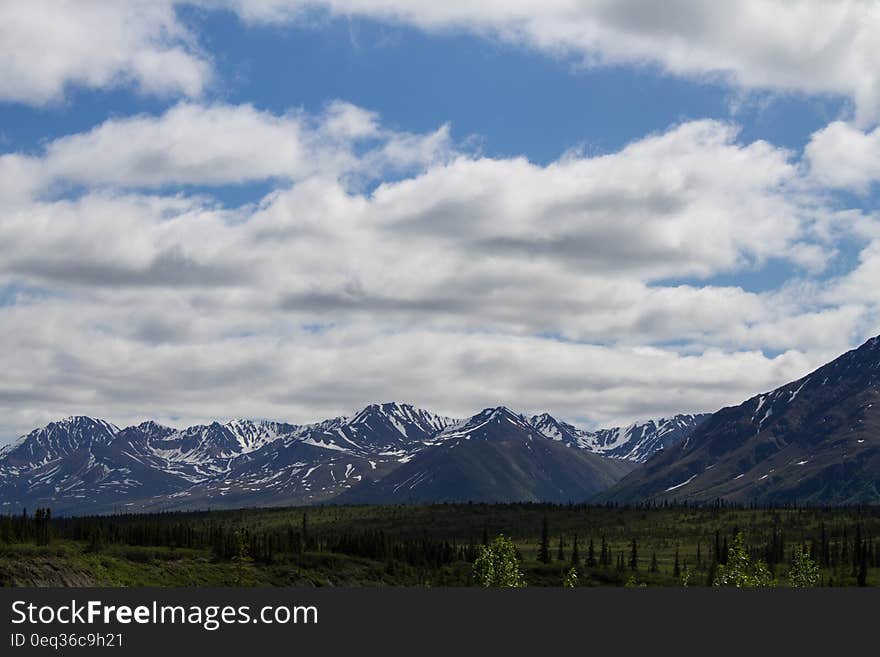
<point x="813" y="441"/>
<point x="386" y="452"/>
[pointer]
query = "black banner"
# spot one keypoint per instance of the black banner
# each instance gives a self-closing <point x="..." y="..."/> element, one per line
<point x="410" y="621"/>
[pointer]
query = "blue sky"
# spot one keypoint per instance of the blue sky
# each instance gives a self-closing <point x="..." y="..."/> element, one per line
<point x="512" y="100"/>
<point x="290" y="209"/>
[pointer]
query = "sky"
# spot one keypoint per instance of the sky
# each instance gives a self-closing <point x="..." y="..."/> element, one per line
<point x="289" y="209"/>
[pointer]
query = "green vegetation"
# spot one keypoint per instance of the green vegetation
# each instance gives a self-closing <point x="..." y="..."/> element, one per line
<point x="441" y="545"/>
<point x="804" y="572"/>
<point x="498" y="565"/>
<point x="741" y="569"/>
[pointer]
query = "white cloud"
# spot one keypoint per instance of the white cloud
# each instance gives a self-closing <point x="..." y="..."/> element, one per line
<point x="48" y="45"/>
<point x="58" y="360"/>
<point x="543" y="287"/>
<point x="797" y="46"/>
<point x="690" y="201"/>
<point x="842" y="156"/>
<point x="778" y="45"/>
<point x="192" y="144"/>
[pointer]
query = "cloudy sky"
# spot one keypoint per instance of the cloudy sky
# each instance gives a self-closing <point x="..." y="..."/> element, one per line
<point x="607" y="210"/>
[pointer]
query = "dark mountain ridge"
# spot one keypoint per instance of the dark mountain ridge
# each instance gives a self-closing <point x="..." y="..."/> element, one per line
<point x="813" y="441"/>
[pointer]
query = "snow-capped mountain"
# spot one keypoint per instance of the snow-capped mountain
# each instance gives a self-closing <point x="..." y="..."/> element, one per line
<point x="58" y="440"/>
<point x="390" y="429"/>
<point x="636" y="442"/>
<point x="83" y="464"/>
<point x="494" y="456"/>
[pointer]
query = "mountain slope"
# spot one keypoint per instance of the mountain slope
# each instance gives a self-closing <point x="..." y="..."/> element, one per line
<point x="813" y="441"/>
<point x="495" y="456"/>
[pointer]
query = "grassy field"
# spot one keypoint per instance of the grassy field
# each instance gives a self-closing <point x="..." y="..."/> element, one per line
<point x="428" y="545"/>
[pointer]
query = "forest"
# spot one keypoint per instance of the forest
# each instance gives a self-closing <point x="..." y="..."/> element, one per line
<point x="446" y="545"/>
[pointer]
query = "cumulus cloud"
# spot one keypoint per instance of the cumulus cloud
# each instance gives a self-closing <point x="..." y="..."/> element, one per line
<point x="461" y="281"/>
<point x="690" y="201"/>
<point x="842" y="156"/>
<point x="307" y="375"/>
<point x="779" y="45"/>
<point x="194" y="144"/>
<point x="796" y="46"/>
<point x="48" y="45"/>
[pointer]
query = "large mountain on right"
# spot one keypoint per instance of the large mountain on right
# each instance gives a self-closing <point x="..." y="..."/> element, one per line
<point x="813" y="441"/>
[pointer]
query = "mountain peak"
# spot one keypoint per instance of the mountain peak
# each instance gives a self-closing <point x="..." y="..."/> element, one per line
<point x="384" y="409"/>
<point x="495" y="422"/>
<point x="494" y="412"/>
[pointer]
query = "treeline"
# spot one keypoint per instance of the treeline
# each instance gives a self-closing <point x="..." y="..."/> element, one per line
<point x="843" y="552"/>
<point x="662" y="545"/>
<point x="24" y="528"/>
<point x="229" y="541"/>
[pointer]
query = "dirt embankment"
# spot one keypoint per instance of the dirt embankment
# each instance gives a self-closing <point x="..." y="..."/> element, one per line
<point x="43" y="572"/>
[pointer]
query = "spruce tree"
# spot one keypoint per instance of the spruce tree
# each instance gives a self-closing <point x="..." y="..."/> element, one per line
<point x="857" y="552"/>
<point x="862" y="575"/>
<point x="634" y="556"/>
<point x="591" y="555"/>
<point x="560" y="552"/>
<point x="305" y="530"/>
<point x="544" y="548"/>
<point x="824" y="556"/>
<point x="575" y="553"/>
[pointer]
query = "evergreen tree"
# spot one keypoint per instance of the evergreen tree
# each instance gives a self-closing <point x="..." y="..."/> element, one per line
<point x="713" y="570"/>
<point x="862" y="574"/>
<point x="242" y="557"/>
<point x="654" y="567"/>
<point x="634" y="556"/>
<point x="676" y="567"/>
<point x="591" y="555"/>
<point x="544" y="549"/>
<point x="575" y="553"/>
<point x="96" y="539"/>
<point x="824" y="555"/>
<point x="560" y="552"/>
